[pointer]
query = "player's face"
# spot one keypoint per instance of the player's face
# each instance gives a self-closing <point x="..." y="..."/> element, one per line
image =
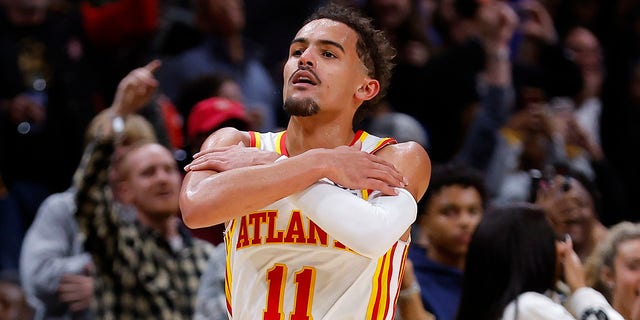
<point x="323" y="70"/>
<point x="152" y="180"/>
<point x="451" y="217"/>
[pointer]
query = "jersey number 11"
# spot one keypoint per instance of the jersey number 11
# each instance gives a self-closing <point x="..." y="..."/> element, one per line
<point x="305" y="282"/>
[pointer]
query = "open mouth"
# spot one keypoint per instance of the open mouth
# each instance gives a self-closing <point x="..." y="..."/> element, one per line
<point x="306" y="77"/>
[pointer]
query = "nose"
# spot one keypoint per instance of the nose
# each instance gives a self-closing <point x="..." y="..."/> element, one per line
<point x="467" y="219"/>
<point x="163" y="176"/>
<point x="306" y="59"/>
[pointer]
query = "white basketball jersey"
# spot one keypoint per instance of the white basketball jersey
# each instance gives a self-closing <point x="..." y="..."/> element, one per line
<point x="281" y="266"/>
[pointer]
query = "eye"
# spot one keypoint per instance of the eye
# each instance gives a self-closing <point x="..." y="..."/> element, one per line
<point x="328" y="54"/>
<point x="297" y="52"/>
<point x="148" y="172"/>
<point x="475" y="211"/>
<point x="448" y="212"/>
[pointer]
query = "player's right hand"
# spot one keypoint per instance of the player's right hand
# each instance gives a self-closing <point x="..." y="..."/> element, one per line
<point x="352" y="168"/>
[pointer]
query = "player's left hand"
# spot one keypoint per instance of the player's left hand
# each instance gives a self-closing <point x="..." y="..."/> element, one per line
<point x="221" y="159"/>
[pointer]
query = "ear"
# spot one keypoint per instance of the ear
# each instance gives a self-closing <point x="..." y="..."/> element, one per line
<point x="607" y="276"/>
<point x="368" y="89"/>
<point x="122" y="192"/>
<point x="423" y="219"/>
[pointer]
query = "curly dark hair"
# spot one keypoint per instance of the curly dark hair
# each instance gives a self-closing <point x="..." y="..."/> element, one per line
<point x="373" y="47"/>
<point x="453" y="174"/>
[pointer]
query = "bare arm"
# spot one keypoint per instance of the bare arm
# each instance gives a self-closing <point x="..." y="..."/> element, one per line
<point x="205" y="195"/>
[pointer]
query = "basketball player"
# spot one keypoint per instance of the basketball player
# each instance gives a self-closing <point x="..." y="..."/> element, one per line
<point x="318" y="216"/>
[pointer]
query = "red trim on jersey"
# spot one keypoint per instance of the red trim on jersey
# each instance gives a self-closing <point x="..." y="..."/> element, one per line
<point x="356" y="137"/>
<point x="252" y="137"/>
<point x="374" y="313"/>
<point x="283" y="144"/>
<point x="229" y="307"/>
<point x="227" y="269"/>
<point x="386" y="305"/>
<point x="383" y="143"/>
<point x="402" y="265"/>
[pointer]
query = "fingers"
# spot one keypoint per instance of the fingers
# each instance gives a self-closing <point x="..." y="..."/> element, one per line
<point x="202" y="153"/>
<point x="144" y="80"/>
<point x="387" y="172"/>
<point x="80" y="305"/>
<point x="356" y="169"/>
<point x="383" y="187"/>
<point x="204" y="163"/>
<point x="153" y="65"/>
<point x="70" y="293"/>
<point x="390" y="177"/>
<point x="572" y="267"/>
<point x="200" y="161"/>
<point x="70" y="288"/>
<point x="568" y="241"/>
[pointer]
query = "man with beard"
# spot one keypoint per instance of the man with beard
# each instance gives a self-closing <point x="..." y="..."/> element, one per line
<point x="318" y="216"/>
<point x="146" y="263"/>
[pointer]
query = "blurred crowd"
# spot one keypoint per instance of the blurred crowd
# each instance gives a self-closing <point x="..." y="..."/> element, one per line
<point x="515" y="101"/>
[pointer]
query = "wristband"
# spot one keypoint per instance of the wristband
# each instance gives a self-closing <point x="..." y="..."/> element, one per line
<point x="411" y="290"/>
<point x="117" y="125"/>
<point x="282" y="157"/>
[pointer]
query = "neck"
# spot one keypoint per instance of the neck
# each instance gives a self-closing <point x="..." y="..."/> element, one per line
<point x="236" y="51"/>
<point x="448" y="259"/>
<point x="165" y="225"/>
<point x="305" y="133"/>
<point x="621" y="308"/>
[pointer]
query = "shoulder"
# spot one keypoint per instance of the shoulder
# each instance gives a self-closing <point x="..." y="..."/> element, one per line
<point x="402" y="150"/>
<point x="534" y="305"/>
<point x="226" y="137"/>
<point x="66" y="198"/>
<point x="207" y="249"/>
<point x="57" y="205"/>
<point x="587" y="301"/>
<point x="412" y="160"/>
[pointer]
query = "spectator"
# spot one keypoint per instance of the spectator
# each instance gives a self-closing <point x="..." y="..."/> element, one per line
<point x="402" y="23"/>
<point x="224" y="51"/>
<point x="573" y="205"/>
<point x="524" y="143"/>
<point x="55" y="269"/>
<point x="47" y="97"/>
<point x="206" y="86"/>
<point x="206" y="117"/>
<point x="211" y="302"/>
<point x="495" y="90"/>
<point x="118" y="48"/>
<point x="448" y="214"/>
<point x="611" y="268"/>
<point x="410" y="305"/>
<point x="13" y="304"/>
<point x="211" y="114"/>
<point x="146" y="264"/>
<point x="503" y="281"/>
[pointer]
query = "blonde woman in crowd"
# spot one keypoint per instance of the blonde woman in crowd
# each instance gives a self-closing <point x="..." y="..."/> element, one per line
<point x="614" y="269"/>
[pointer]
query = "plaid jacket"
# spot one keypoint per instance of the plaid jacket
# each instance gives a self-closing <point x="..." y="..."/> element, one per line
<point x="138" y="274"/>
